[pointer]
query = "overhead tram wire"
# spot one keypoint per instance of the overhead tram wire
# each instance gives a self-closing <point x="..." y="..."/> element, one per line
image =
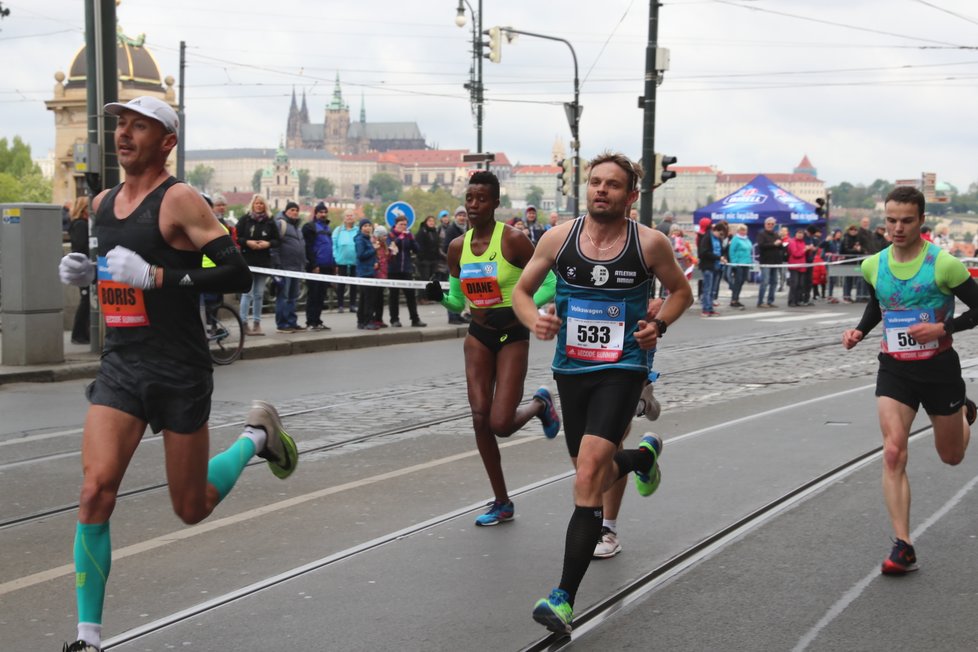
<point x="832" y="23"/>
<point x="946" y="11"/>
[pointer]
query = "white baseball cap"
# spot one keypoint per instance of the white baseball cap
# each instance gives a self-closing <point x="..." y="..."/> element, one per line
<point x="150" y="107"/>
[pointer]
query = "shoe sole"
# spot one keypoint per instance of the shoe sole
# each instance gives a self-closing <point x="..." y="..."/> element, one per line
<point x="496" y="522"/>
<point x="544" y="615"/>
<point x="607" y="555"/>
<point x="894" y="569"/>
<point x="288" y="443"/>
<point x="640" y="485"/>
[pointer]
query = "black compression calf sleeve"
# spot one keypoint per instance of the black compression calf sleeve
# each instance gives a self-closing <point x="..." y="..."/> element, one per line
<point x="583" y="534"/>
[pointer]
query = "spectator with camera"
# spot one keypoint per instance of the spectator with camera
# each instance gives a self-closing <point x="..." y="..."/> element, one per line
<point x="400" y="267"/>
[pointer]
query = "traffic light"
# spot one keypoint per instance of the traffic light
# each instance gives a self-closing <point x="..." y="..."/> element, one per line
<point x="495" y="44"/>
<point x="662" y="173"/>
<point x="566" y="176"/>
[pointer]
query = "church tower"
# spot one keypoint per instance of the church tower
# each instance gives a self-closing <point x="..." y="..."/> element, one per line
<point x="337" y="124"/>
<point x="293" y="130"/>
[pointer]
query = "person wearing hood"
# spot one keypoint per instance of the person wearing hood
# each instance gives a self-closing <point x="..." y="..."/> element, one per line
<point x="366" y="252"/>
<point x="291" y="258"/>
<point x="319" y="260"/>
<point x="345" y="255"/>
<point x="429" y="253"/>
<point x="741" y="258"/>
<point x="534" y="230"/>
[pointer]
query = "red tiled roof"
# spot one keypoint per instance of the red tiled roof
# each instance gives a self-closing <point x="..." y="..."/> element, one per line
<point x="427" y="156"/>
<point x="692" y="169"/>
<point x="368" y="156"/>
<point x="805" y="163"/>
<point x="537" y="169"/>
<point x="236" y="198"/>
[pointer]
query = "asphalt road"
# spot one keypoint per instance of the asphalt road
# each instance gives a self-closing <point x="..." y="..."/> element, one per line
<point x="371" y="545"/>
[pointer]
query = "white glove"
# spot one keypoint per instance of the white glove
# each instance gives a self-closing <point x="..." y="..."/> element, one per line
<point x="126" y="266"/>
<point x="76" y="269"/>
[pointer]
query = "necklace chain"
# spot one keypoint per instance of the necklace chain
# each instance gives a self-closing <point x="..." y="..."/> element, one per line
<point x="591" y="240"/>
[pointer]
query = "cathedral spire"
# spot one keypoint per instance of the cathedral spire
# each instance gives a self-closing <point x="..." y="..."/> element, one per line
<point x="337" y="102"/>
<point x="304" y="111"/>
<point x="363" y="110"/>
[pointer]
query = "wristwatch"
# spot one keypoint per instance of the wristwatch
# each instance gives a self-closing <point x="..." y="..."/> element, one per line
<point x="661" y="325"/>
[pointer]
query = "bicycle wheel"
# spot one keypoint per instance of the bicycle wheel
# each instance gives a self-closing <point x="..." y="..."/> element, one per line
<point x="225" y="334"/>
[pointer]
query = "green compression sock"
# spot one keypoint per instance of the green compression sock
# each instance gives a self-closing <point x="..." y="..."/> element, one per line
<point x="93" y="559"/>
<point x="224" y="468"/>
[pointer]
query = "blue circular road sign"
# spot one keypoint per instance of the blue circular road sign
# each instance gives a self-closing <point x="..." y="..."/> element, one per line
<point x="399" y="208"/>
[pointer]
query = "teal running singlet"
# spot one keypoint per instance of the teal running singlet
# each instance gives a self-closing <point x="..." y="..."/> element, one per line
<point x="600" y="303"/>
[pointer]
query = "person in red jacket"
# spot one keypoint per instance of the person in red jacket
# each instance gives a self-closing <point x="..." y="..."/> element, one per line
<point x="820" y="277"/>
<point x="797" y="257"/>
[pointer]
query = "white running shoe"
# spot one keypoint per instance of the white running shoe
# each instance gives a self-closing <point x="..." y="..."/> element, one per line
<point x="608" y="546"/>
<point x="648" y="406"/>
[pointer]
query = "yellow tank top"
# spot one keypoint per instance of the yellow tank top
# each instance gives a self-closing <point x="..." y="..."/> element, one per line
<point x="488" y="280"/>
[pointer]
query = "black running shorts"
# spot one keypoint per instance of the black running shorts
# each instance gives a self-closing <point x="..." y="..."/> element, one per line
<point x="600" y="403"/>
<point x="936" y="383"/>
<point x="164" y="393"/>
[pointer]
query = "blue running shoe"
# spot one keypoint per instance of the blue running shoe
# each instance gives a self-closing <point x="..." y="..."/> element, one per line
<point x="648" y="483"/>
<point x="498" y="513"/>
<point x="549" y="417"/>
<point x="554" y="612"/>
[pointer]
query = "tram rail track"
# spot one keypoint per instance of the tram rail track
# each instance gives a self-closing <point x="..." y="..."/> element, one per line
<point x="743" y="358"/>
<point x="586" y="621"/>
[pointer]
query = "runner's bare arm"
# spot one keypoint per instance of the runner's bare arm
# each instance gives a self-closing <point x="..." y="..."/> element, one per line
<point x="187" y="223"/>
<point x="544" y="326"/>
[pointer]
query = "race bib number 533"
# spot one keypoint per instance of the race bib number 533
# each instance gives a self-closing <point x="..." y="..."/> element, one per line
<point x="595" y="330"/>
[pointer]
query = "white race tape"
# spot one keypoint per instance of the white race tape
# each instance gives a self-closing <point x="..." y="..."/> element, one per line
<point x="346" y="280"/>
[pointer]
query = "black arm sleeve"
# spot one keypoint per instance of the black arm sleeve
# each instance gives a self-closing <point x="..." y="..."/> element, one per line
<point x="872" y="315"/>
<point x="968" y="293"/>
<point x="230" y="273"/>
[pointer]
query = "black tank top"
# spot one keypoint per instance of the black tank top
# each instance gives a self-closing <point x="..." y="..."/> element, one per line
<point x="174" y="329"/>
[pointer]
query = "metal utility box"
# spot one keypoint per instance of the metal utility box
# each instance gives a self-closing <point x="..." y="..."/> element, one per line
<point x="31" y="302"/>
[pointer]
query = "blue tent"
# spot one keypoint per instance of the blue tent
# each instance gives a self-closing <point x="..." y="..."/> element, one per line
<point x="759" y="200"/>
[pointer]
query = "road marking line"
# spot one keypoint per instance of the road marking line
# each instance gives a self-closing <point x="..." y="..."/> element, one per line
<point x="210" y="526"/>
<point x="857" y="589"/>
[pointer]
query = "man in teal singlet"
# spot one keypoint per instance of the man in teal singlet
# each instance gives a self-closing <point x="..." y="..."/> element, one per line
<point x="604" y="265"/>
<point x="914" y="285"/>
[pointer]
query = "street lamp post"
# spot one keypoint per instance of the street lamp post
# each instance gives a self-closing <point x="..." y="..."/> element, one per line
<point x="573" y="110"/>
<point x="474" y="85"/>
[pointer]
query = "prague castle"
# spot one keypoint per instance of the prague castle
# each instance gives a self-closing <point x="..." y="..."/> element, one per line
<point x="337" y="135"/>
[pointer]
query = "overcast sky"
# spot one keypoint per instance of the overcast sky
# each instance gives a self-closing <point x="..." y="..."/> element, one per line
<point x="867" y="88"/>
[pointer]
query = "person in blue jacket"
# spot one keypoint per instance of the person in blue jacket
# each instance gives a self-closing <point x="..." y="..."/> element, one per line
<point x="319" y="260"/>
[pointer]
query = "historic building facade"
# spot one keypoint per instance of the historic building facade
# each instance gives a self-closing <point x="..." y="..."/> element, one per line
<point x="139" y="74"/>
<point x="338" y="135"/>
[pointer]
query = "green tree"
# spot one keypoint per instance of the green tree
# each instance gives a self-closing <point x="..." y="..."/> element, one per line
<point x="303" y="182"/>
<point x="534" y="196"/>
<point x="256" y="180"/>
<point x="22" y="180"/>
<point x="384" y="186"/>
<point x="323" y="188"/>
<point x="201" y="177"/>
<point x="427" y="203"/>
